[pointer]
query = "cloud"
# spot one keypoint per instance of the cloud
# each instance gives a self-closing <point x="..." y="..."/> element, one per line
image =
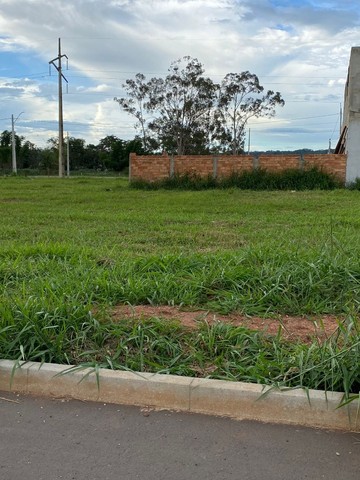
<point x="300" y="48"/>
<point x="332" y="16"/>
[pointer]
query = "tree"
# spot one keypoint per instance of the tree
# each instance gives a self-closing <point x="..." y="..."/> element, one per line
<point x="29" y="155"/>
<point x="109" y="148"/>
<point x="76" y="153"/>
<point x="177" y="107"/>
<point x="6" y="147"/>
<point x="182" y="103"/>
<point x="48" y="159"/>
<point x="186" y="112"/>
<point x="115" y="152"/>
<point x="135" y="104"/>
<point x="241" y="98"/>
<point x="91" y="157"/>
<point x="131" y="146"/>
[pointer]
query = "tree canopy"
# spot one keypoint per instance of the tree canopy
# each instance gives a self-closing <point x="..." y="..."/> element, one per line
<point x="188" y="113"/>
<point x="111" y="153"/>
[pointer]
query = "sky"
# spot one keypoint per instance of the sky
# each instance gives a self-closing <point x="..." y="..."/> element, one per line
<point x="300" y="48"/>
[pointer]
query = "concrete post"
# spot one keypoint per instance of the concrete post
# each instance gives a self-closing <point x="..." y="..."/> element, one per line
<point x="172" y="166"/>
<point x="215" y="167"/>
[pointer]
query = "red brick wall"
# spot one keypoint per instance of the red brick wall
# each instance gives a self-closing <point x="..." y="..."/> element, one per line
<point x="149" y="167"/>
<point x="333" y="163"/>
<point x="278" y="163"/>
<point x="228" y="164"/>
<point x="157" y="167"/>
<point x="200" y="164"/>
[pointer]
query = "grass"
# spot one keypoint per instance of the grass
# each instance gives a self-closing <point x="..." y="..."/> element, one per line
<point x="104" y="215"/>
<point x="258" y="179"/>
<point x="217" y="351"/>
<point x="76" y="246"/>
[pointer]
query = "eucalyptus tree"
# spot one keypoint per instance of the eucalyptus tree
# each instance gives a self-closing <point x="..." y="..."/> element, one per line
<point x="187" y="112"/>
<point x="172" y="112"/>
<point x="241" y="97"/>
<point x="182" y="104"/>
<point x="136" y="103"/>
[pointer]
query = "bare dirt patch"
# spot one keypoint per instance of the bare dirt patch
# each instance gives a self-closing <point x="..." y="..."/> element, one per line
<point x="297" y="328"/>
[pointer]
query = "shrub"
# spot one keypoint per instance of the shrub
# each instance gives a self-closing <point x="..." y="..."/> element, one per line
<point x="355" y="185"/>
<point x="258" y="179"/>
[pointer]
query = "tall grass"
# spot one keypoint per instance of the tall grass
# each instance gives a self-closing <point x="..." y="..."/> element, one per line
<point x="258" y="179"/>
<point x="218" y="351"/>
<point x="252" y="283"/>
<point x="72" y="249"/>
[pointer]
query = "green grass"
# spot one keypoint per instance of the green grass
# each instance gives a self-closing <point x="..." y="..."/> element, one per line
<point x="76" y="246"/>
<point x="218" y="351"/>
<point x="104" y="215"/>
<point x="258" y="179"/>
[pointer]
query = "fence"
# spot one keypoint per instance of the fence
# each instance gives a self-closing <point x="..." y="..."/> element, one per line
<point x="156" y="167"/>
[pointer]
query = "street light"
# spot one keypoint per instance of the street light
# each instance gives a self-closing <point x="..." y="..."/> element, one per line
<point x="13" y="143"/>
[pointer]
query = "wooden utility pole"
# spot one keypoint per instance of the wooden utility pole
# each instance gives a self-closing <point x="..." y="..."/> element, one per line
<point x="61" y="121"/>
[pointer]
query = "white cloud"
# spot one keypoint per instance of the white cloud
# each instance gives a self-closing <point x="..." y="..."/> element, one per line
<point x="299" y="48"/>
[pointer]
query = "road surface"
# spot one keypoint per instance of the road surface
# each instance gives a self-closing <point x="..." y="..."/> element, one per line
<point x="44" y="439"/>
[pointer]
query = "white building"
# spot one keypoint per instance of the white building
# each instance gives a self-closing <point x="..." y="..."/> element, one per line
<point x="349" y="141"/>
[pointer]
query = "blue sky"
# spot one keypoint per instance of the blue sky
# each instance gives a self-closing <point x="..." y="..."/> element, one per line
<point x="300" y="48"/>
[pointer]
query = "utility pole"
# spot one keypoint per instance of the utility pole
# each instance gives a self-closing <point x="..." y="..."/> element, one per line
<point x="61" y="121"/>
<point x="13" y="142"/>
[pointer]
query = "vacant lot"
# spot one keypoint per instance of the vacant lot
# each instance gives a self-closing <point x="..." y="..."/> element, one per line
<point x="73" y="249"/>
<point x="108" y="218"/>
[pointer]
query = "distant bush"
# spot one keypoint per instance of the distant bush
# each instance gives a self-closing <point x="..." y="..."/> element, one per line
<point x="292" y="179"/>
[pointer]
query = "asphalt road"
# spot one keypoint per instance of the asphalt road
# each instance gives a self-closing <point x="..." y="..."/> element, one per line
<point x="42" y="439"/>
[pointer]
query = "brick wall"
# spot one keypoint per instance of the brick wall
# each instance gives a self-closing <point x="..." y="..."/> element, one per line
<point x="200" y="164"/>
<point x="334" y="164"/>
<point x="278" y="163"/>
<point x="227" y="164"/>
<point x="157" y="167"/>
<point x="149" y="167"/>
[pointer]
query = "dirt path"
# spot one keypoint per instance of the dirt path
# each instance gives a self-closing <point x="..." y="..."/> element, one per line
<point x="294" y="328"/>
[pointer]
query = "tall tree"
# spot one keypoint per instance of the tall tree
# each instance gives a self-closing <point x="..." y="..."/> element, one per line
<point x="240" y="98"/>
<point x="172" y="112"/>
<point x="187" y="112"/>
<point x="136" y="103"/>
<point x="181" y="104"/>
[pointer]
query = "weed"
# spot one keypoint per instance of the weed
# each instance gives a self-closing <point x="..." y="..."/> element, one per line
<point x="258" y="179"/>
<point x="71" y="250"/>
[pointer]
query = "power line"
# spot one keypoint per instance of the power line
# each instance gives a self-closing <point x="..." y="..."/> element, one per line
<point x="119" y="90"/>
<point x="134" y="72"/>
<point x="295" y="119"/>
<point x="213" y="74"/>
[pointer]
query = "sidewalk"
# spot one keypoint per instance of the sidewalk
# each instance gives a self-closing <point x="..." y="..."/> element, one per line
<point x="45" y="439"/>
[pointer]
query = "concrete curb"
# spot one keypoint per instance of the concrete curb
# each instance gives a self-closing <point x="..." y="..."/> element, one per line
<point x="214" y="397"/>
